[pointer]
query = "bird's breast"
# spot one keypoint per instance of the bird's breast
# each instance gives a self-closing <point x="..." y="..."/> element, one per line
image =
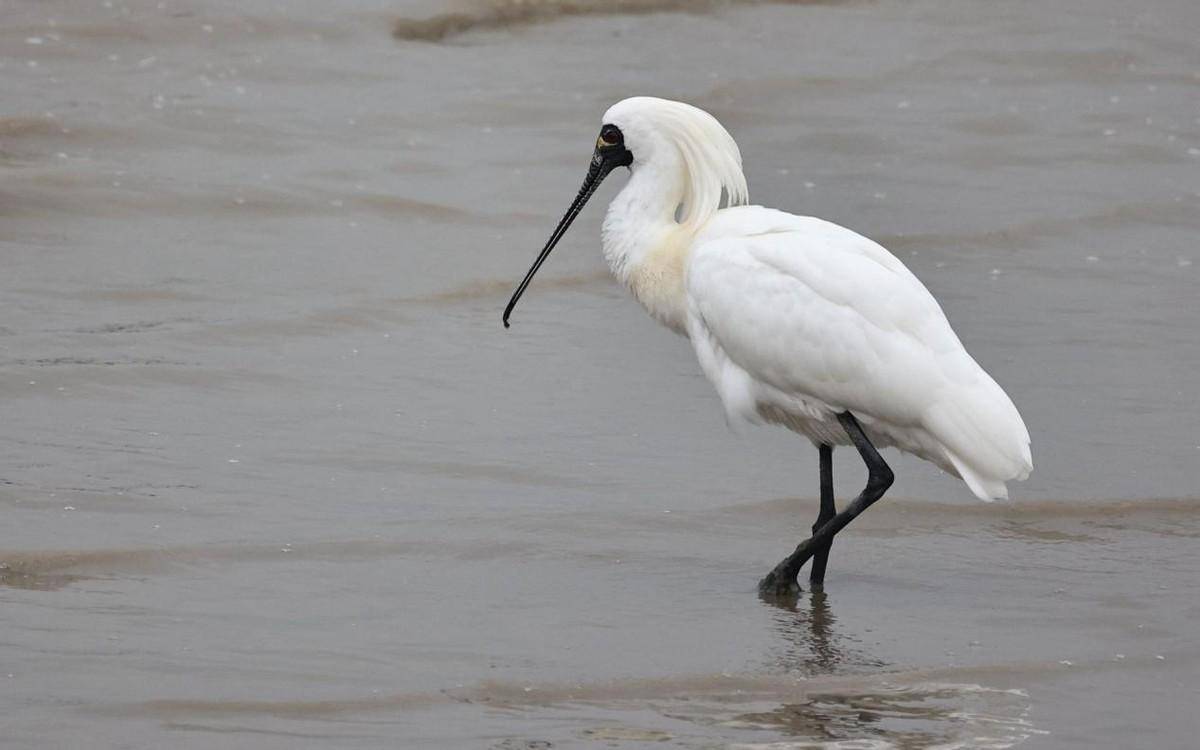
<point x="656" y="280"/>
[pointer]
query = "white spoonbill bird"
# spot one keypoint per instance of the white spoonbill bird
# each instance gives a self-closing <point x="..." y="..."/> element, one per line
<point x="796" y="321"/>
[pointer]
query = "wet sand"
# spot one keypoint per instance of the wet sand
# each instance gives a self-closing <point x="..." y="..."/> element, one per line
<point x="273" y="475"/>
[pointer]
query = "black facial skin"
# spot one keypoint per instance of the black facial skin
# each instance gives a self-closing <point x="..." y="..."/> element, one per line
<point x="610" y="153"/>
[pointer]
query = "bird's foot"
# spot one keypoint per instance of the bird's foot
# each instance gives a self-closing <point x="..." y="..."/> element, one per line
<point x="779" y="583"/>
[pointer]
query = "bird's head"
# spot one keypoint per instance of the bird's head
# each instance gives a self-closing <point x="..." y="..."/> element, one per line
<point x="643" y="131"/>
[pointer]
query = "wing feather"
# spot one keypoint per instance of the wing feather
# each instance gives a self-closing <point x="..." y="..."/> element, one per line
<point x="812" y="310"/>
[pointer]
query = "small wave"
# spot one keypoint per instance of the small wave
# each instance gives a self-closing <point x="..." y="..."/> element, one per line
<point x="53" y="570"/>
<point x="507" y="694"/>
<point x="1019" y="509"/>
<point x="43" y="193"/>
<point x="31" y="139"/>
<point x="507" y="13"/>
<point x="48" y="570"/>
<point x="945" y="716"/>
<point x="93" y="362"/>
<point x="882" y="711"/>
<point x="1115" y="217"/>
<point x="500" y="287"/>
<point x="23" y="126"/>
<point x="375" y="312"/>
<point x="136" y="327"/>
<point x="50" y="126"/>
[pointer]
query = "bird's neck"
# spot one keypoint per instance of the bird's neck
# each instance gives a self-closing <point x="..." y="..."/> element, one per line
<point x="645" y="247"/>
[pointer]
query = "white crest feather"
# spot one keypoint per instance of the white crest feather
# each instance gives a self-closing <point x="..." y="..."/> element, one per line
<point x="711" y="160"/>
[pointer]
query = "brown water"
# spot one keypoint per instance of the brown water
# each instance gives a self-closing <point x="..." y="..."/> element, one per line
<point x="273" y="476"/>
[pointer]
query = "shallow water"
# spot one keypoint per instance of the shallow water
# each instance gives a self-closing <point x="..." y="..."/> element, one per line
<point x="273" y="475"/>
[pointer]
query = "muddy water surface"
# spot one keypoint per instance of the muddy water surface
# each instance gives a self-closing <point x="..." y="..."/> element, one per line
<point x="273" y="475"/>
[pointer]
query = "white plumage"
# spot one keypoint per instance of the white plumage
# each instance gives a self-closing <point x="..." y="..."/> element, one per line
<point x="794" y="320"/>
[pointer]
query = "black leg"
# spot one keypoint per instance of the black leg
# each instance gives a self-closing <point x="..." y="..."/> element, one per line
<point x="782" y="580"/>
<point x="816" y="574"/>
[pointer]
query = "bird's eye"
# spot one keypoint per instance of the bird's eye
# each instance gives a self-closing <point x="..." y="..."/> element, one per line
<point x="610" y="135"/>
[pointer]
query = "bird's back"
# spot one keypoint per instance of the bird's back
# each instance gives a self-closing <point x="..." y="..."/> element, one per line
<point x="795" y="319"/>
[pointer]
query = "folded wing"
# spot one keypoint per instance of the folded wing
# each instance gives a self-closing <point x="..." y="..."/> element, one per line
<point x="787" y="307"/>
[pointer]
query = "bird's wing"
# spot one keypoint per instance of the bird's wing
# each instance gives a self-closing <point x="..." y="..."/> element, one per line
<point x="814" y="310"/>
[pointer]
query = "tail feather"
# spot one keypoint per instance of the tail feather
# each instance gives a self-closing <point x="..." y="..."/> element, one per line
<point x="985" y="488"/>
<point x="983" y="436"/>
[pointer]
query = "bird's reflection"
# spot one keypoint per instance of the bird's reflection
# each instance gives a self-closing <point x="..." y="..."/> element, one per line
<point x="809" y="641"/>
<point x="862" y="709"/>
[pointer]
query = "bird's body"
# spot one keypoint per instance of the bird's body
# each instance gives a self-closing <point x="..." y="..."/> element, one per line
<point x="796" y="321"/>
